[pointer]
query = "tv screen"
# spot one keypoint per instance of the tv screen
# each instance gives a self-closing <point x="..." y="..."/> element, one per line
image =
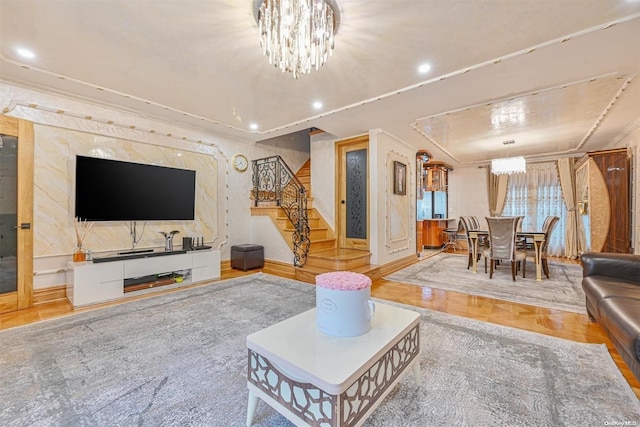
<point x="113" y="190"/>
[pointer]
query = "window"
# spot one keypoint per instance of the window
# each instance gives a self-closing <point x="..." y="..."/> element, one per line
<point x="535" y="195"/>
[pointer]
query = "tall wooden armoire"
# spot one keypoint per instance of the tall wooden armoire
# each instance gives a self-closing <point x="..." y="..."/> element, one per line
<point x="605" y="194"/>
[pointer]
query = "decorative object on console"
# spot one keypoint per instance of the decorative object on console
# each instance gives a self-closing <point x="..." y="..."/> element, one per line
<point x="343" y="303"/>
<point x="168" y="239"/>
<point x="187" y="243"/>
<point x="297" y="35"/>
<point x="82" y="228"/>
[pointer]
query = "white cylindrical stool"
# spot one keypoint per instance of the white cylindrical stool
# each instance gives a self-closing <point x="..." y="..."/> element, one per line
<point x="343" y="304"/>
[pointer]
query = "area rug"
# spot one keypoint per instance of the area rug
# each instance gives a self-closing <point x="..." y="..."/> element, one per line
<point x="180" y="360"/>
<point x="562" y="291"/>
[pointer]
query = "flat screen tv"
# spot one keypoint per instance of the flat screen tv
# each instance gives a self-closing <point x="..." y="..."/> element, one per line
<point x="113" y="190"/>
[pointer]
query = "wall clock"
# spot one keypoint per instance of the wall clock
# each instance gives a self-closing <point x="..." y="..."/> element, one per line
<point x="240" y="162"/>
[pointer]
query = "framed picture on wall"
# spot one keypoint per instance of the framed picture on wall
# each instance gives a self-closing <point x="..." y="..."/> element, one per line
<point x="399" y="178"/>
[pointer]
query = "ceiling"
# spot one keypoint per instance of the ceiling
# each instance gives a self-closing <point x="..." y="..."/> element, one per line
<point x="556" y="76"/>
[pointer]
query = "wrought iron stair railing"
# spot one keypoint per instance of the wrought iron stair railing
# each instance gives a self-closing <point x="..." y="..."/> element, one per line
<point x="273" y="181"/>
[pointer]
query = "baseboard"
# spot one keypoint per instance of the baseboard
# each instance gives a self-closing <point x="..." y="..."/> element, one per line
<point x="41" y="296"/>
<point x="398" y="264"/>
<point x="270" y="267"/>
<point x="279" y="268"/>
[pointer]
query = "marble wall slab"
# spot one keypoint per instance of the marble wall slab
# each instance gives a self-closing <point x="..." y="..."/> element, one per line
<point x="54" y="184"/>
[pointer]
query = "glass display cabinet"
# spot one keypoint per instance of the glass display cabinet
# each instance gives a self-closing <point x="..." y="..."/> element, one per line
<point x="432" y="202"/>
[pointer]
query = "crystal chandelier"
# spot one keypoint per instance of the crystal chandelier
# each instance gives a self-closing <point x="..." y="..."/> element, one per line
<point x="297" y="35"/>
<point x="508" y="165"/>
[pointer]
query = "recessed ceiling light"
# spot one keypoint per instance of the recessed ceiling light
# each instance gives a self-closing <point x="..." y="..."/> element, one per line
<point x="253" y="126"/>
<point x="317" y="105"/>
<point x="424" y="68"/>
<point x="25" y="53"/>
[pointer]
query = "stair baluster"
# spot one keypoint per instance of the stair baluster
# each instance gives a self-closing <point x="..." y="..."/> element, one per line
<point x="273" y="181"/>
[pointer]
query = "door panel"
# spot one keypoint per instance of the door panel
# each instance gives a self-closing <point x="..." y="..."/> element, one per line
<point x="16" y="214"/>
<point x="8" y="213"/>
<point x="353" y="200"/>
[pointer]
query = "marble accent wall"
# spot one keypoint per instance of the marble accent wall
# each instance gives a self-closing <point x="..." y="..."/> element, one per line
<point x="55" y="153"/>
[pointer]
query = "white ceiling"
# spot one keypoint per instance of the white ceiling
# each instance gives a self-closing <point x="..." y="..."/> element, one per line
<point x="553" y="75"/>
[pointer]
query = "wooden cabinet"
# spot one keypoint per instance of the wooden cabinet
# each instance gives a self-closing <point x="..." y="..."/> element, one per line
<point x="433" y="232"/>
<point x="603" y="201"/>
<point x="419" y="239"/>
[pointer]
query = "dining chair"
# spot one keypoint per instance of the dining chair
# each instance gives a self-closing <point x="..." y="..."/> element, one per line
<point x="548" y="226"/>
<point x="502" y="244"/>
<point x="482" y="240"/>
<point x="467" y="225"/>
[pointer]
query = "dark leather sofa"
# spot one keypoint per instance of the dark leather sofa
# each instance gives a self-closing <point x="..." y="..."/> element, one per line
<point x="611" y="283"/>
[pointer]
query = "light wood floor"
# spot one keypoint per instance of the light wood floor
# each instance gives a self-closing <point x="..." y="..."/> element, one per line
<point x="571" y="326"/>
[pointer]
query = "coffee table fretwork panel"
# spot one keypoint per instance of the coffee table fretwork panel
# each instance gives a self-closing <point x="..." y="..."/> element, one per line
<point x="303" y="399"/>
<point x="374" y="384"/>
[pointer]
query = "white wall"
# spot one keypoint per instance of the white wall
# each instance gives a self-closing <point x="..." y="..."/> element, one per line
<point x="393" y="216"/>
<point x="323" y="176"/>
<point x="468" y="193"/>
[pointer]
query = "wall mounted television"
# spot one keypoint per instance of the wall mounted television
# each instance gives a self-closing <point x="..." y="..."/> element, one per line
<point x="114" y="190"/>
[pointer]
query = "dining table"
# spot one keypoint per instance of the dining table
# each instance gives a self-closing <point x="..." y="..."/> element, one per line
<point x="537" y="237"/>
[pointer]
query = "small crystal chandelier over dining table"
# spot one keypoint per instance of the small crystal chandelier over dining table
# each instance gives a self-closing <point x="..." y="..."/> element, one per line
<point x="297" y="35"/>
<point x="508" y="165"/>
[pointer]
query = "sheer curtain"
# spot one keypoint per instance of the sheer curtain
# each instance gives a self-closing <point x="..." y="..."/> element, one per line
<point x="535" y="195"/>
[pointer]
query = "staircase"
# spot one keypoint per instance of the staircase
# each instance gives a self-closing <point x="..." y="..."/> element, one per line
<point x="324" y="255"/>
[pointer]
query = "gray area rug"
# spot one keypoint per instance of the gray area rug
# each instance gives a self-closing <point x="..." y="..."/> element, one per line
<point x="562" y="291"/>
<point x="180" y="360"/>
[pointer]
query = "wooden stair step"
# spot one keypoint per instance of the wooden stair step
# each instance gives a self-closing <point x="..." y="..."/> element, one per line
<point x="314" y="232"/>
<point x="319" y="244"/>
<point x="313" y="223"/>
<point x="338" y="259"/>
<point x="308" y="273"/>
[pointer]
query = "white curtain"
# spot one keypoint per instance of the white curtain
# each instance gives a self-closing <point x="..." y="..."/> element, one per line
<point x="535" y="195"/>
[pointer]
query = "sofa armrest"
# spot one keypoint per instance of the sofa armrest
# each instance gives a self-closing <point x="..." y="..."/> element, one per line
<point x="621" y="266"/>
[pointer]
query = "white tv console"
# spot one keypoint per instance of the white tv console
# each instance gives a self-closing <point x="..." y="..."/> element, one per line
<point x="92" y="283"/>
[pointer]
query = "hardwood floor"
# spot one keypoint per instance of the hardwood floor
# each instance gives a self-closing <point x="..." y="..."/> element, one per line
<point x="571" y="326"/>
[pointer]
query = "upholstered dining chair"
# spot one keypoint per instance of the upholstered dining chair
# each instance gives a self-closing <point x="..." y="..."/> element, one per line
<point x="502" y="244"/>
<point x="467" y="225"/>
<point x="550" y="223"/>
<point x="475" y="225"/>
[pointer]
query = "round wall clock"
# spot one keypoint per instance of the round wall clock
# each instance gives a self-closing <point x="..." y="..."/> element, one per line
<point x="240" y="162"/>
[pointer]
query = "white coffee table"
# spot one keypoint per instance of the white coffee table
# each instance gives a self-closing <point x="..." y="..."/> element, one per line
<point x="316" y="379"/>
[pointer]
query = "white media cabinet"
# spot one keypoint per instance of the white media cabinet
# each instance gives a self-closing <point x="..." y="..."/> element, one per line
<point x="92" y="283"/>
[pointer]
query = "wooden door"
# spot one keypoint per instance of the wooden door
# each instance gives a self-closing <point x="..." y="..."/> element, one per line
<point x="352" y="193"/>
<point x="16" y="252"/>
